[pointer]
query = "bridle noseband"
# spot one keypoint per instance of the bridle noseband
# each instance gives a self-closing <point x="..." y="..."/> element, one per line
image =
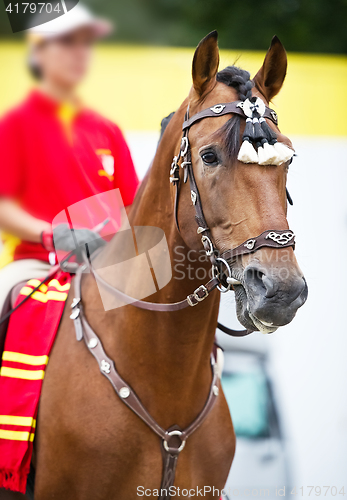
<point x="269" y="238"/>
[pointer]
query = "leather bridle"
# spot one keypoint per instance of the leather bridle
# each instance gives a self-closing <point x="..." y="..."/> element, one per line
<point x="173" y="440"/>
<point x="270" y="238"/>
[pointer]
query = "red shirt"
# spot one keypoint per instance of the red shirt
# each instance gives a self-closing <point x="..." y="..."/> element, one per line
<point x="49" y="162"/>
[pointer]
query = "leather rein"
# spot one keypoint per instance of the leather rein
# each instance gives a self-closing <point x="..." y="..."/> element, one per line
<point x="173" y="440"/>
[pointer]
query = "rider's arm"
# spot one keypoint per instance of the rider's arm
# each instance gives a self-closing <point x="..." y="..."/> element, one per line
<point x="14" y="220"/>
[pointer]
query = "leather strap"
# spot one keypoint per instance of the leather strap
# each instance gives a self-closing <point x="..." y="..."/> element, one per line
<point x="206" y="236"/>
<point x="231" y="332"/>
<point x="193" y="299"/>
<point x="173" y="439"/>
<point x="224" y="109"/>
<point x="169" y="472"/>
<point x="270" y="238"/>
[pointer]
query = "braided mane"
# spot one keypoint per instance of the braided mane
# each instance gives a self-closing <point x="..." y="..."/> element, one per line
<point x="238" y="79"/>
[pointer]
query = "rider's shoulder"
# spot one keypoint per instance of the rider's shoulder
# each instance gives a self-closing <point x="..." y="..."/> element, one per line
<point x="101" y="122"/>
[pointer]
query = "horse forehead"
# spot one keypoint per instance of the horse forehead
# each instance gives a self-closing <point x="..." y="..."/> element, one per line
<point x="202" y="131"/>
<point x="220" y="93"/>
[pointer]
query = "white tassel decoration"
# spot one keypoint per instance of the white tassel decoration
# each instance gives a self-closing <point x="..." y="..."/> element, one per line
<point x="284" y="153"/>
<point x="267" y="155"/>
<point x="247" y="153"/>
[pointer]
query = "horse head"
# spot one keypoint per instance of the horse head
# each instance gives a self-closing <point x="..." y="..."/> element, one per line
<point x="243" y="197"/>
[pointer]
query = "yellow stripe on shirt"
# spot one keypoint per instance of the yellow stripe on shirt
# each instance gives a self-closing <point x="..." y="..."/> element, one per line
<point x="53" y="283"/>
<point x="58" y="286"/>
<point x="22" y="374"/>
<point x="15" y="420"/>
<point x="17" y="435"/>
<point x="44" y="297"/>
<point x="36" y="283"/>
<point x="27" y="359"/>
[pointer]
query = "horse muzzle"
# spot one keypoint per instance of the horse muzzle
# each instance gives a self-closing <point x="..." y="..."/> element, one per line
<point x="269" y="298"/>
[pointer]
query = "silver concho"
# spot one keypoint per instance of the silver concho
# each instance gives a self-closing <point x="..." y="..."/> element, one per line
<point x="92" y="343"/>
<point x="215" y="390"/>
<point x="124" y="392"/>
<point x="250" y="244"/>
<point x="75" y="313"/>
<point x="193" y="196"/>
<point x="218" y="108"/>
<point x="105" y="366"/>
<point x="274" y="116"/>
<point x="281" y="239"/>
<point x="75" y="302"/>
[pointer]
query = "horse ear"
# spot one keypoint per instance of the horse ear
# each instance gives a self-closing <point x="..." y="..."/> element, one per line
<point x="271" y="75"/>
<point x="205" y="63"/>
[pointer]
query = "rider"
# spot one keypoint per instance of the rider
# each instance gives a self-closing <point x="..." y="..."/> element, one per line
<point x="55" y="152"/>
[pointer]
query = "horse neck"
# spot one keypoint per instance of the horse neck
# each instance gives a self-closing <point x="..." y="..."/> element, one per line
<point x="168" y="350"/>
<point x="154" y="206"/>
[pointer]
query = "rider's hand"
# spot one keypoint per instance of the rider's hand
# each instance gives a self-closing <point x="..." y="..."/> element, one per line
<point x="66" y="239"/>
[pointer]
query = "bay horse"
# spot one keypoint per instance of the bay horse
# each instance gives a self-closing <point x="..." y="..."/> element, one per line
<point x="89" y="445"/>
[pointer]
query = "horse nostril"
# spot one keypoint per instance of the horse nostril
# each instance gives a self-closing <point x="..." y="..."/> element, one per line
<point x="271" y="289"/>
<point x="254" y="278"/>
<point x="260" y="282"/>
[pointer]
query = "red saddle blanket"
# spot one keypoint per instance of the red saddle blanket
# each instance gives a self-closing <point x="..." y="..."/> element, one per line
<point x="31" y="333"/>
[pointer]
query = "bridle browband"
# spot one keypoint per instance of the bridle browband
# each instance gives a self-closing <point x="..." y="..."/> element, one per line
<point x="235" y="108"/>
<point x="173" y="439"/>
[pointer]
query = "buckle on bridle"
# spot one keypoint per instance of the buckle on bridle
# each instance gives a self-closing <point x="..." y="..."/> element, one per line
<point x="174" y="170"/>
<point x="184" y="146"/>
<point x="206" y="239"/>
<point x="195" y="295"/>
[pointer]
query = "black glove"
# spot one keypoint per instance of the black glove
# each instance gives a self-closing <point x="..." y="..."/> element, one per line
<point x="86" y="240"/>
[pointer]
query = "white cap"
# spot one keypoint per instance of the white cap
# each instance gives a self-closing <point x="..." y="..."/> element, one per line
<point x="74" y="19"/>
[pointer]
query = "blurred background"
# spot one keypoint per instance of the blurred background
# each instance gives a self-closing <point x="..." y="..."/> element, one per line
<point x="286" y="391"/>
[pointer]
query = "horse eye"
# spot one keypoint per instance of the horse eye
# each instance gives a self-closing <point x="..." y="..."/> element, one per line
<point x="209" y="158"/>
